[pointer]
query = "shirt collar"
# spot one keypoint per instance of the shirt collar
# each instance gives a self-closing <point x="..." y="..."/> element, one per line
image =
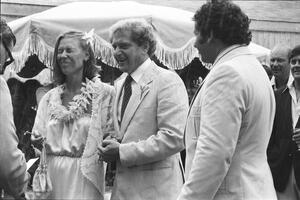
<point x="224" y="52"/>
<point x="288" y="85"/>
<point x="138" y="73"/>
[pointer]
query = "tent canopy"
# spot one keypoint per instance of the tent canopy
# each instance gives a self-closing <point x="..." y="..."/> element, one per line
<point x="37" y="33"/>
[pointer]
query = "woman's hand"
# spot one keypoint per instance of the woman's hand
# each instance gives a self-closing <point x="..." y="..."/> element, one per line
<point x="37" y="140"/>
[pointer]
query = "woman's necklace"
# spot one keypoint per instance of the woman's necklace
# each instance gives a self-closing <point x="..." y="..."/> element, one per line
<point x="77" y="107"/>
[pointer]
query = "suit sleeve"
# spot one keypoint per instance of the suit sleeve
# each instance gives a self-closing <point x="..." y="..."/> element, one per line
<point x="13" y="176"/>
<point x="172" y="108"/>
<point x="273" y="149"/>
<point x="221" y="116"/>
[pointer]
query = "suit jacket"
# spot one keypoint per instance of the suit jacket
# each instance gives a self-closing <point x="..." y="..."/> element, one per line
<point x="282" y="151"/>
<point x="13" y="177"/>
<point x="152" y="137"/>
<point x="228" y="130"/>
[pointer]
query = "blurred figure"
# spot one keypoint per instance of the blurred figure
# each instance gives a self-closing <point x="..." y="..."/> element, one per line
<point x="279" y="63"/>
<point x="74" y="117"/>
<point x="231" y="117"/>
<point x="13" y="176"/>
<point x="150" y="111"/>
<point x="268" y="71"/>
<point x="284" y="146"/>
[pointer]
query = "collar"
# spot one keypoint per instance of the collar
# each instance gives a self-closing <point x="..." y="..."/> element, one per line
<point x="288" y="85"/>
<point x="138" y="73"/>
<point x="225" y="52"/>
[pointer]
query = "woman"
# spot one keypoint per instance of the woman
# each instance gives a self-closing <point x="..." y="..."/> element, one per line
<point x="74" y="117"/>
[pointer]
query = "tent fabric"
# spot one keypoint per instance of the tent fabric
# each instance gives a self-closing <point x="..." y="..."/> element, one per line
<point x="37" y="33"/>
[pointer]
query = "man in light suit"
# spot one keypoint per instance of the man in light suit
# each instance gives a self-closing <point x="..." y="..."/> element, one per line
<point x="230" y="119"/>
<point x="151" y="125"/>
<point x="13" y="176"/>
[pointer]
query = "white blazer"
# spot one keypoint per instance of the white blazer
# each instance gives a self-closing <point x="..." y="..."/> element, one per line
<point x="152" y="137"/>
<point x="13" y="176"/>
<point x="228" y="130"/>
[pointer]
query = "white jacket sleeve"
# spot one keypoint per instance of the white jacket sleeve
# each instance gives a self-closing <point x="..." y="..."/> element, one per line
<point x="13" y="176"/>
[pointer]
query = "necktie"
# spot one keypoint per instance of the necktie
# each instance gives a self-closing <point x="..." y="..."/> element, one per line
<point x="127" y="94"/>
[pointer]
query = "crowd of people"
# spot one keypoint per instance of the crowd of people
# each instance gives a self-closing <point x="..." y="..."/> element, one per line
<point x="240" y="131"/>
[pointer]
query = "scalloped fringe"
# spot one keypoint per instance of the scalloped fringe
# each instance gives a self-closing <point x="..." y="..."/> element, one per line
<point x="176" y="58"/>
<point x="33" y="45"/>
<point x="172" y="58"/>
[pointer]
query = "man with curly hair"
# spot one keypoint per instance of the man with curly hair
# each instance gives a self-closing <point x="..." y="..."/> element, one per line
<point x="230" y="119"/>
<point x="150" y="111"/>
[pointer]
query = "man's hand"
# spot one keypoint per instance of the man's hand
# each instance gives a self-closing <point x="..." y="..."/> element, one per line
<point x="109" y="151"/>
<point x="296" y="138"/>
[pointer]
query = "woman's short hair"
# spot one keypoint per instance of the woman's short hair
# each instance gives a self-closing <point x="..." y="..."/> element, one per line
<point x="90" y="70"/>
<point x="141" y="31"/>
<point x="225" y="20"/>
<point x="295" y="52"/>
<point x="6" y="34"/>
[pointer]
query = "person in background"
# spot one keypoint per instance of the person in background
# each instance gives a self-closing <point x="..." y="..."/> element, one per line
<point x="230" y="120"/>
<point x="284" y="146"/>
<point x="280" y="66"/>
<point x="13" y="175"/>
<point x="150" y="112"/>
<point x="268" y="71"/>
<point x="74" y="117"/>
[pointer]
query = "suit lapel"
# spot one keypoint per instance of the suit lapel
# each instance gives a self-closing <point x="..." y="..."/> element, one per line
<point x="119" y="86"/>
<point x="137" y="97"/>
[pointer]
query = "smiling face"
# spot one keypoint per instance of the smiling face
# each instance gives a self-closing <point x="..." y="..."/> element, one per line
<point x="295" y="67"/>
<point x="70" y="56"/>
<point x="127" y="53"/>
<point x="279" y="63"/>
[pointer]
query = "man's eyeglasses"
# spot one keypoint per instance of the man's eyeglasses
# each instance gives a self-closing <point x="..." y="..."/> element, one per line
<point x="295" y="61"/>
<point x="11" y="58"/>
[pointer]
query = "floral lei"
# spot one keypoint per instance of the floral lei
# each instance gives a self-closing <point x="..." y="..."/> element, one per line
<point x="77" y="106"/>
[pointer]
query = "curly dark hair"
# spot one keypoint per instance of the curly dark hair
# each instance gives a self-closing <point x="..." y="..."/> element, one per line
<point x="294" y="52"/>
<point x="90" y="70"/>
<point x="6" y="34"/>
<point x="225" y="20"/>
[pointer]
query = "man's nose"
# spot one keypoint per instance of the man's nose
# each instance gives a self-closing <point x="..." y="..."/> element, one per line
<point x="117" y="51"/>
<point x="274" y="63"/>
<point x="63" y="54"/>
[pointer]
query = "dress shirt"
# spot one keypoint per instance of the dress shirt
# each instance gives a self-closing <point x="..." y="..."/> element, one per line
<point x="295" y="104"/>
<point x="290" y="81"/>
<point x="136" y="76"/>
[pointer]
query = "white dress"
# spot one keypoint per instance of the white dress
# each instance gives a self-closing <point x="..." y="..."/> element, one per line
<point x="72" y="137"/>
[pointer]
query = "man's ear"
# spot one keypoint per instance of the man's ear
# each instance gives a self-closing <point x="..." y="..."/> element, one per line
<point x="210" y="38"/>
<point x="87" y="56"/>
<point x="146" y="47"/>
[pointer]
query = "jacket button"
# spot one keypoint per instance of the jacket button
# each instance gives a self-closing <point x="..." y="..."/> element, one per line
<point x="290" y="155"/>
